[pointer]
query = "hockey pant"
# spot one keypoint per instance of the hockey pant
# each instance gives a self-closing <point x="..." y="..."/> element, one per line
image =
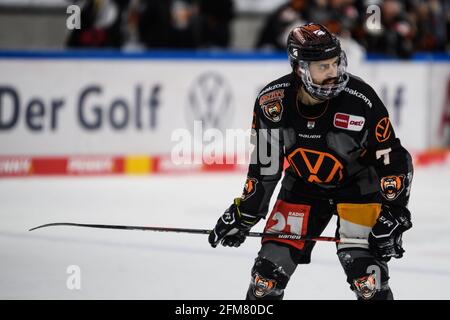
<point x="278" y="258"/>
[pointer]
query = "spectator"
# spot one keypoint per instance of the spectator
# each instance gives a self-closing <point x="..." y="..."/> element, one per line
<point x="215" y="18"/>
<point x="447" y="28"/>
<point x="355" y="52"/>
<point x="431" y="23"/>
<point x="100" y="25"/>
<point x="345" y="12"/>
<point x="396" y="34"/>
<point x="340" y="17"/>
<point x="170" y="24"/>
<point x="130" y="27"/>
<point x="335" y="12"/>
<point x="276" y="29"/>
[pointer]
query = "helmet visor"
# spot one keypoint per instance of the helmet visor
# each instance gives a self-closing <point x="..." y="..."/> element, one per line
<point x="330" y="87"/>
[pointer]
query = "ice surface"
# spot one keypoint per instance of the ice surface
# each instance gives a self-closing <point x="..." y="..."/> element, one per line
<point x="118" y="264"/>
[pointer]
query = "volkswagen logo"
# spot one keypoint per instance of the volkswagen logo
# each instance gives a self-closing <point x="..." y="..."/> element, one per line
<point x="210" y="101"/>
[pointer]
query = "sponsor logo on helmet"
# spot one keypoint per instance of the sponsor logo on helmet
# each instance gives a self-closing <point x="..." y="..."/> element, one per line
<point x="348" y="121"/>
<point x="273" y="110"/>
<point x="319" y="33"/>
<point x="383" y="130"/>
<point x="249" y="188"/>
<point x="392" y="186"/>
<point x="366" y="286"/>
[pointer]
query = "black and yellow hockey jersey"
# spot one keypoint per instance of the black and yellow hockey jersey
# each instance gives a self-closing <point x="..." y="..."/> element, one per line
<point x="342" y="148"/>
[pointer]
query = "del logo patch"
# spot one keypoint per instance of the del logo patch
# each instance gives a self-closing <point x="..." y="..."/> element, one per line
<point x="348" y="122"/>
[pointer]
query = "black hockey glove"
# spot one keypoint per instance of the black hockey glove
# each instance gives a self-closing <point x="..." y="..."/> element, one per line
<point x="385" y="239"/>
<point x="232" y="226"/>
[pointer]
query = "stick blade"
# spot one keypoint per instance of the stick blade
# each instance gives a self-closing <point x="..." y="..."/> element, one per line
<point x="51" y="225"/>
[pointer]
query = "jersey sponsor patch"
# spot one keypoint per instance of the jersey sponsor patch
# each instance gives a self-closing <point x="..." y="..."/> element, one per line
<point x="249" y="188"/>
<point x="271" y="96"/>
<point x="392" y="186"/>
<point x="316" y="166"/>
<point x="348" y="121"/>
<point x="383" y="129"/>
<point x="358" y="94"/>
<point x="288" y="218"/>
<point x="275" y="86"/>
<point x="309" y="136"/>
<point x="273" y="110"/>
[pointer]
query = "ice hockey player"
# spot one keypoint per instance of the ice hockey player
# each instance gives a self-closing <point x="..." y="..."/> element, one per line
<point x="343" y="159"/>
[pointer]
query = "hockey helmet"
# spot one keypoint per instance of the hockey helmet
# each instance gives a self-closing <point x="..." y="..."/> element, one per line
<point x="313" y="42"/>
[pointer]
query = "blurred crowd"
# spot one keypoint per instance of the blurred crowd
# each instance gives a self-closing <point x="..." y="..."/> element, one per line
<point x="388" y="27"/>
<point x="165" y="24"/>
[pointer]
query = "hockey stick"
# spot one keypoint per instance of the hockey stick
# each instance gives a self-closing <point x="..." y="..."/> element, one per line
<point x="205" y="231"/>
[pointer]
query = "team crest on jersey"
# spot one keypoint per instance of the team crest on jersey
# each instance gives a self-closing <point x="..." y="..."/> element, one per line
<point x="366" y="286"/>
<point x="383" y="129"/>
<point x="392" y="186"/>
<point x="263" y="286"/>
<point x="348" y="121"/>
<point x="249" y="188"/>
<point x="273" y="110"/>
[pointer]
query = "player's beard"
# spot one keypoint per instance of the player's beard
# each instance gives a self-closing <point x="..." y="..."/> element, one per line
<point x="330" y="81"/>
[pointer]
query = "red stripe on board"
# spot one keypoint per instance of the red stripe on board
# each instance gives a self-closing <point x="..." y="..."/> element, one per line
<point x="436" y="156"/>
<point x="50" y="166"/>
<point x="20" y="166"/>
<point x="165" y="165"/>
<point x="94" y="165"/>
<point x="15" y="166"/>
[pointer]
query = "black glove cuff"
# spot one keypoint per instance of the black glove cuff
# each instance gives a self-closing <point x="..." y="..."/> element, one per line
<point x="401" y="214"/>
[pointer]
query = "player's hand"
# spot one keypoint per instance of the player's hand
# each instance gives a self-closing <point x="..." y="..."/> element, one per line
<point x="232" y="226"/>
<point x="385" y="239"/>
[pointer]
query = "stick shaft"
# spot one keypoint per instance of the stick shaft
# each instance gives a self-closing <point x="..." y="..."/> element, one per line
<point x="204" y="231"/>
